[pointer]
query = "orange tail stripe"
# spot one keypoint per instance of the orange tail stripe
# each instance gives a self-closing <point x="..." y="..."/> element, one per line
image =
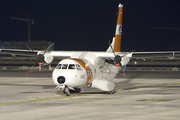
<point x="117" y="41"/>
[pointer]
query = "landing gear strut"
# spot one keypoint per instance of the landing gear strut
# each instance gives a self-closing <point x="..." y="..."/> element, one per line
<point x="66" y="91"/>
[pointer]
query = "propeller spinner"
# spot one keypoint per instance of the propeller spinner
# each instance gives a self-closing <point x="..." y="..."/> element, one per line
<point x="117" y="60"/>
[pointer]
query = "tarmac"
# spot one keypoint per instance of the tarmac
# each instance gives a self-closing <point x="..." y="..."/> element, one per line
<point x="143" y="95"/>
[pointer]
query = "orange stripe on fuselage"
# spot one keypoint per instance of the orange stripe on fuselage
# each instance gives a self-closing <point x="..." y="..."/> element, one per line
<point x="88" y="72"/>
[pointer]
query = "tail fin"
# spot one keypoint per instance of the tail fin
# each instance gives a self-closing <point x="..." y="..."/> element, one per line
<point x="117" y="41"/>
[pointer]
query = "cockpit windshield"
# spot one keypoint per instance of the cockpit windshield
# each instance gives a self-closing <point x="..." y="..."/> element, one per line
<point x="78" y="67"/>
<point x="69" y="66"/>
<point x="58" y="66"/>
<point x="64" y="66"/>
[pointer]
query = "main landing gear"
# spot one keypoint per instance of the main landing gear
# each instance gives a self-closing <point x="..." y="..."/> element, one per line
<point x="110" y="92"/>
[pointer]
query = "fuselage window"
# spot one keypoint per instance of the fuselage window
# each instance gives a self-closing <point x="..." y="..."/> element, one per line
<point x="71" y="66"/>
<point x="78" y="67"/>
<point x="64" y="66"/>
<point x="58" y="66"/>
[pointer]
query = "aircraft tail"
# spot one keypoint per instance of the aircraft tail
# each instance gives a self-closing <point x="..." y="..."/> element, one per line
<point x="116" y="43"/>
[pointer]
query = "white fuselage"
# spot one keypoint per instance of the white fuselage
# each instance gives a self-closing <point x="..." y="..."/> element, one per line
<point x="77" y="73"/>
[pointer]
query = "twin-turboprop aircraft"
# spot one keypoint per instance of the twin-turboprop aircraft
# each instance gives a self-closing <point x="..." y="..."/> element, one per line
<point x="90" y="69"/>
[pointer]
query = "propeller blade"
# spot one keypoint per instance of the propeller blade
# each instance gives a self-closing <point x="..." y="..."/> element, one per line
<point x="31" y="67"/>
<point x="40" y="57"/>
<point x="123" y="72"/>
<point x="48" y="48"/>
<point x="29" y="47"/>
<point x="111" y="47"/>
<point x="28" y="71"/>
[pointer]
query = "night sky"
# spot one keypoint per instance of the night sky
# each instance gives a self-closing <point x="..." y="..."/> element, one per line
<point x="87" y="25"/>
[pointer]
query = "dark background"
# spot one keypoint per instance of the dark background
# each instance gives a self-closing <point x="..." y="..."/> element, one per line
<point x="148" y="25"/>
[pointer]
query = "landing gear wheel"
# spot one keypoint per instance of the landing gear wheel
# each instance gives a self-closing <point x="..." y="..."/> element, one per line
<point x="110" y="92"/>
<point x="64" y="91"/>
<point x="67" y="92"/>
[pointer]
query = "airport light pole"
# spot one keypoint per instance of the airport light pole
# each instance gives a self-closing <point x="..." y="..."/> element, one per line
<point x="30" y="21"/>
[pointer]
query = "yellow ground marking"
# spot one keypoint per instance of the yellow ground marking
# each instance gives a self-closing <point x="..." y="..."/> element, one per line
<point x="90" y="96"/>
<point x="61" y="97"/>
<point x="42" y="99"/>
<point x="100" y="99"/>
<point x="65" y="99"/>
<point x="57" y="95"/>
<point x="75" y="98"/>
<point x="149" y="86"/>
<point x="165" y="101"/>
<point x="158" y="100"/>
<point x="32" y="98"/>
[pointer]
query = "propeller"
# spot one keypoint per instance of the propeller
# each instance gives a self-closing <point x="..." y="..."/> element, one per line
<point x="40" y="57"/>
<point x="117" y="60"/>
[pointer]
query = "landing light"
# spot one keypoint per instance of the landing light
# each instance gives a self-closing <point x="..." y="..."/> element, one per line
<point x="135" y="62"/>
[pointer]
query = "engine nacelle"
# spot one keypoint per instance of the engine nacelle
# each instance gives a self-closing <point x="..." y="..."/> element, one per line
<point x="103" y="84"/>
<point x="124" y="61"/>
<point x="48" y="58"/>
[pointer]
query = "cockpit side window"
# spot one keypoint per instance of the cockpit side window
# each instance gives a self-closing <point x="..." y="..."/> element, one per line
<point x="64" y="66"/>
<point x="71" y="66"/>
<point x="58" y="66"/>
<point x="78" y="67"/>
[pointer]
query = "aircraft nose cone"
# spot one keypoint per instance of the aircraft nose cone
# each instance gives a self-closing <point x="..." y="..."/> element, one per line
<point x="61" y="79"/>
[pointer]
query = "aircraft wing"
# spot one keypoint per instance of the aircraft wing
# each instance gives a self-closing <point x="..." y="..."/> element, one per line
<point x="19" y="52"/>
<point x="155" y="54"/>
<point x="98" y="54"/>
<point x="139" y="54"/>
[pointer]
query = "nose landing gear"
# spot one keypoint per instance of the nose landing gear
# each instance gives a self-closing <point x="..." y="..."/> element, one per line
<point x="66" y="91"/>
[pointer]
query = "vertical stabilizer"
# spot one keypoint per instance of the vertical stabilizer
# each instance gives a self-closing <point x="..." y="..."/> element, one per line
<point x="117" y="41"/>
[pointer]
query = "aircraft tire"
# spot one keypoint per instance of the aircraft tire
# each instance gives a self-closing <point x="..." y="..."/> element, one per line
<point x="67" y="91"/>
<point x="110" y="92"/>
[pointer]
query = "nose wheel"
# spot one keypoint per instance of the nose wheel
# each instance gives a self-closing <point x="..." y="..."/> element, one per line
<point x="66" y="91"/>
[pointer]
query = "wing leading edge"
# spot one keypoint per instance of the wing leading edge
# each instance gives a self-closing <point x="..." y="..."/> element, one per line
<point x="155" y="54"/>
<point x="98" y="54"/>
<point x="19" y="52"/>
